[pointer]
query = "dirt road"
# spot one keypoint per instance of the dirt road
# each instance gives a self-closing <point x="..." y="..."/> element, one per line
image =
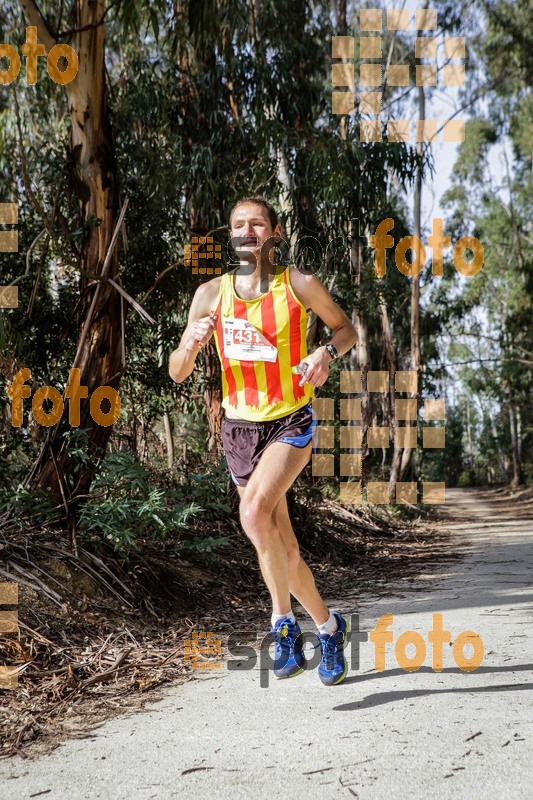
<point x="394" y="734"/>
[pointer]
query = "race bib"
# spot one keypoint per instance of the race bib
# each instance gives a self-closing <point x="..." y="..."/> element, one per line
<point x="244" y="342"/>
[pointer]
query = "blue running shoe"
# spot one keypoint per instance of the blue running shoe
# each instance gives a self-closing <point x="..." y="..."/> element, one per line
<point x="333" y="667"/>
<point x="289" y="659"/>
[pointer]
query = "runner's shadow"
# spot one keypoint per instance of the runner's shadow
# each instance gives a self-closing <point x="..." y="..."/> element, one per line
<point x="393" y="673"/>
<point x="374" y="700"/>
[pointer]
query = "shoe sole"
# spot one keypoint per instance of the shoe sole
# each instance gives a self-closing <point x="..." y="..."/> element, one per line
<point x="292" y="675"/>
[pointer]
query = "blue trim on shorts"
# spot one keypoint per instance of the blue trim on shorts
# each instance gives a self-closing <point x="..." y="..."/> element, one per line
<point x="304" y="438"/>
<point x="234" y="478"/>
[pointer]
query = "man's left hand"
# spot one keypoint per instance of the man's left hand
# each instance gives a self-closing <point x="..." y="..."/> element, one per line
<point x="317" y="371"/>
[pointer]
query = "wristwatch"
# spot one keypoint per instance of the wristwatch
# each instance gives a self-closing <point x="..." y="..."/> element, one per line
<point x="332" y="350"/>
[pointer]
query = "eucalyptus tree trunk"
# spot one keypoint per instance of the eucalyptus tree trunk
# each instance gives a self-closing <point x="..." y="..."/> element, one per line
<point x="167" y="424"/>
<point x="213" y="397"/>
<point x="491" y="422"/>
<point x="415" y="280"/>
<point x="515" y="447"/>
<point x="388" y="340"/>
<point x="91" y="153"/>
<point x="471" y="459"/>
<point x="360" y="354"/>
<point x="193" y="58"/>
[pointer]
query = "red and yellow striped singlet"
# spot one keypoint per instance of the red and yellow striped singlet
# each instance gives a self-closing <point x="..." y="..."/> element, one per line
<point x="264" y="390"/>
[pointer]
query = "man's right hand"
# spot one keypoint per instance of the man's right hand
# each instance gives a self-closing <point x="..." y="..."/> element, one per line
<point x="200" y="326"/>
<point x="201" y="331"/>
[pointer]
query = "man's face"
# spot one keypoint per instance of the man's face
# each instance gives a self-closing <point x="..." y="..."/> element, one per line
<point x="250" y="228"/>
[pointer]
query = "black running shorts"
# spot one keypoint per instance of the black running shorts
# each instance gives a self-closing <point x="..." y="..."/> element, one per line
<point x="245" y="442"/>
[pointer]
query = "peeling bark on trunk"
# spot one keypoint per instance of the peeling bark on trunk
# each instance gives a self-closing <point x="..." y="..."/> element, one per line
<point x="95" y="187"/>
<point x="415" y="280"/>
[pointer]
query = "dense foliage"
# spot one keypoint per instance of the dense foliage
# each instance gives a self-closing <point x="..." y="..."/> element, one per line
<point x="215" y="99"/>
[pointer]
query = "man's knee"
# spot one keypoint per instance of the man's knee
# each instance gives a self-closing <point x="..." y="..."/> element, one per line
<point x="257" y="516"/>
<point x="293" y="556"/>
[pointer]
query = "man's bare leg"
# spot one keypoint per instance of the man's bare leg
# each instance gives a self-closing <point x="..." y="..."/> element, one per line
<point x="301" y="581"/>
<point x="265" y="519"/>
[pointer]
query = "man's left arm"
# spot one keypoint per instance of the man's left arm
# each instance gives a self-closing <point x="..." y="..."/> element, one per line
<point x="313" y="294"/>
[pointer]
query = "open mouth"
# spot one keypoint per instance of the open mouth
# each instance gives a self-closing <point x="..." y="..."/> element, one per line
<point x="248" y="241"/>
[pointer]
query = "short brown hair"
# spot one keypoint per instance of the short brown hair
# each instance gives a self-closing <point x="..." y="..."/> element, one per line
<point x="259" y="201"/>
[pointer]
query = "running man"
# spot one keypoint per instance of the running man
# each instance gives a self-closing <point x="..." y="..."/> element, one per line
<point x="258" y="315"/>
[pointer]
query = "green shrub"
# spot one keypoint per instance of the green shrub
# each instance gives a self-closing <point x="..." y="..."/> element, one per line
<point x="204" y="547"/>
<point x="124" y="505"/>
<point x="30" y="507"/>
<point x="464" y="480"/>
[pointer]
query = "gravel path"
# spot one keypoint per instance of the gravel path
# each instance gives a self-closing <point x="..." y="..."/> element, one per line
<point x="389" y="734"/>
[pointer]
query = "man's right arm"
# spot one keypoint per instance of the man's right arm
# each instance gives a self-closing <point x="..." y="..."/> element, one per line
<point x="200" y="327"/>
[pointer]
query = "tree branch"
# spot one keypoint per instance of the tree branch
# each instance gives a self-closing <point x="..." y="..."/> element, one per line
<point x="34" y="17"/>
<point x="25" y="176"/>
<point x="480" y="360"/>
<point x="68" y="34"/>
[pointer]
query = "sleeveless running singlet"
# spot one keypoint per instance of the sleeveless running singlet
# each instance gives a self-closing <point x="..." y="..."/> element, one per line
<point x="262" y="387"/>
